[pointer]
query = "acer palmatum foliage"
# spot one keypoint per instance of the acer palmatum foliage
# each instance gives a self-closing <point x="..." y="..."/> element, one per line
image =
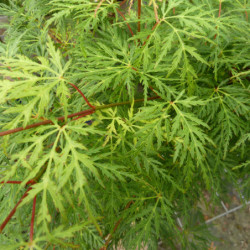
<point x="124" y="113"/>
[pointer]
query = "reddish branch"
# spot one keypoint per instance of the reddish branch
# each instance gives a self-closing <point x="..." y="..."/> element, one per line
<point x="11" y="182"/>
<point x="13" y="211"/>
<point x="153" y="90"/>
<point x="123" y="2"/>
<point x="150" y="34"/>
<point x="16" y="182"/>
<point x="81" y="113"/>
<point x="84" y="97"/>
<point x="115" y="228"/>
<point x="89" y="113"/>
<point x="98" y="7"/>
<point x="32" y="220"/>
<point x="156" y="12"/>
<point x="54" y="38"/>
<point x="46" y="122"/>
<point x="246" y="15"/>
<point x="124" y="18"/>
<point x="220" y="9"/>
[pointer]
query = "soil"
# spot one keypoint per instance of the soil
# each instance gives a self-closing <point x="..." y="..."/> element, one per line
<point x="232" y="230"/>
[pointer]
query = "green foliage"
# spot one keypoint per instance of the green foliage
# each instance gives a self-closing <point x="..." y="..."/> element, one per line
<point x="142" y="162"/>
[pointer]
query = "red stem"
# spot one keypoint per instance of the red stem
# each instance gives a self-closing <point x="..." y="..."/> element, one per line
<point x="34" y="125"/>
<point x="153" y="90"/>
<point x="115" y="228"/>
<point x="16" y="182"/>
<point x="54" y="38"/>
<point x="32" y="220"/>
<point x="124" y="18"/>
<point x="98" y="6"/>
<point x="13" y="211"/>
<point x="11" y="182"/>
<point x="84" y="97"/>
<point x="246" y="15"/>
<point x="220" y="9"/>
<point x="152" y="30"/>
<point x="62" y="118"/>
<point x="90" y="112"/>
<point x="123" y="2"/>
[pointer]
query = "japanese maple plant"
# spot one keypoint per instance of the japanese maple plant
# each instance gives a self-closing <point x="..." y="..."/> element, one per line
<point x="118" y="119"/>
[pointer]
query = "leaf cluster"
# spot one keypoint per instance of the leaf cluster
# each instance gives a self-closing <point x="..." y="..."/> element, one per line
<point x="123" y="174"/>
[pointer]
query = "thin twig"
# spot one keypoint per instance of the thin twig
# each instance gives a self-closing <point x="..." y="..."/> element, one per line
<point x="115" y="228"/>
<point x="54" y="38"/>
<point x="156" y="12"/>
<point x="11" y="182"/>
<point x="84" y="97"/>
<point x="130" y="6"/>
<point x="124" y="18"/>
<point x="13" y="211"/>
<point x="157" y="21"/>
<point x="156" y="24"/>
<point x="123" y="2"/>
<point x="220" y="9"/>
<point x="16" y="182"/>
<point x="90" y="112"/>
<point x="153" y="90"/>
<point x="246" y="15"/>
<point x="32" y="219"/>
<point x="98" y="6"/>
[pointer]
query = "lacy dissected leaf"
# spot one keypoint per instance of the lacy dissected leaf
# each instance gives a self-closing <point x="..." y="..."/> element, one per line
<point x="32" y="84"/>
